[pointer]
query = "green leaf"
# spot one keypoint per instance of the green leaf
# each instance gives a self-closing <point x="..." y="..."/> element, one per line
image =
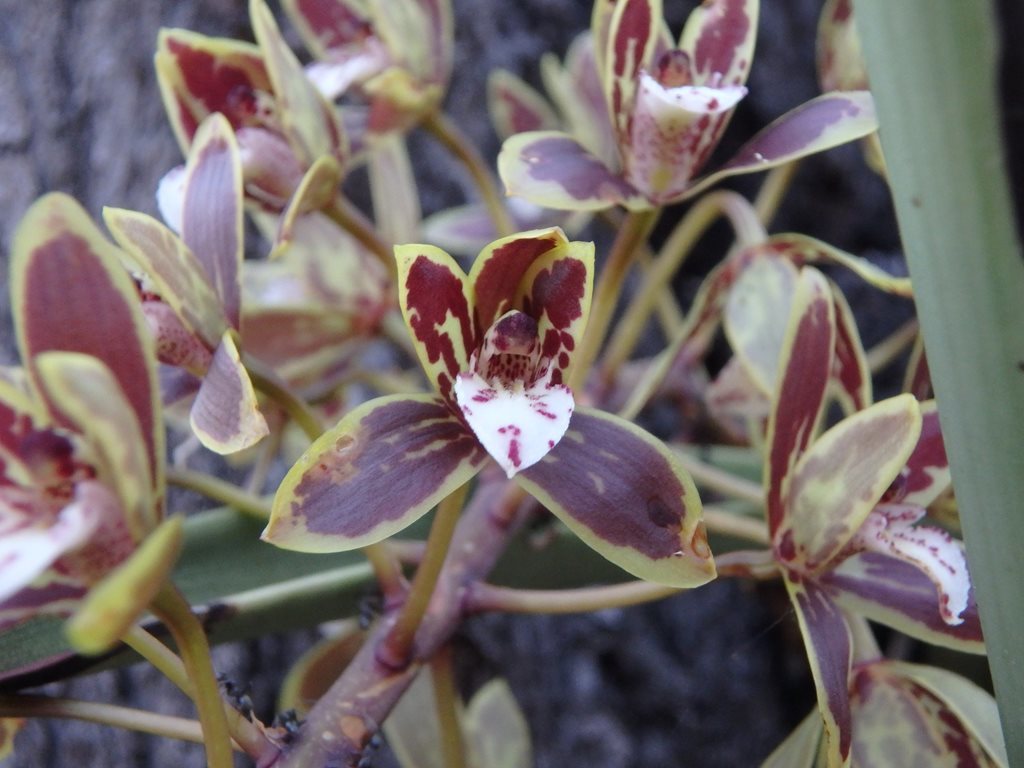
<point x="801" y="748"/>
<point x="116" y="602"/>
<point x="935" y="76"/>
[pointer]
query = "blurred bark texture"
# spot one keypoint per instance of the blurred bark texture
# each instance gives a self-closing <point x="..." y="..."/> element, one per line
<point x="705" y="679"/>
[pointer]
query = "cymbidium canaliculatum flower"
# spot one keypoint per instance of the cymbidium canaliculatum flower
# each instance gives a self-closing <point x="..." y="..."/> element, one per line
<point x="497" y="344"/>
<point x="81" y="438"/>
<point x="669" y="105"/>
<point x="842" y="508"/>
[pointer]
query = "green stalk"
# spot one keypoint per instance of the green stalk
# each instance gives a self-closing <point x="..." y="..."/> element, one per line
<point x="396" y="647"/>
<point x="446" y="702"/>
<point x="355" y="222"/>
<point x="24" y="705"/>
<point x="266" y="380"/>
<point x="635" y="228"/>
<point x="452" y="139"/>
<point x="220" y="490"/>
<point x="174" y="611"/>
<point x="933" y="69"/>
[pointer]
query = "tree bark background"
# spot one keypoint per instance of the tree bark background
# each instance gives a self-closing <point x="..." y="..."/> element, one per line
<point x="712" y="678"/>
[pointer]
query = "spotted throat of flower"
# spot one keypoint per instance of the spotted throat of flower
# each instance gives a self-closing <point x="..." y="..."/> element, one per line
<point x="507" y="397"/>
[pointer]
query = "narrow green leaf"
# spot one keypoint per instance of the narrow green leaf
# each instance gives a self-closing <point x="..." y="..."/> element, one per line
<point x="934" y="74"/>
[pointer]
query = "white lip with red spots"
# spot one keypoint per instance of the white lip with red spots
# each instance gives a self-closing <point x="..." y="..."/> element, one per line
<point x="507" y="397"/>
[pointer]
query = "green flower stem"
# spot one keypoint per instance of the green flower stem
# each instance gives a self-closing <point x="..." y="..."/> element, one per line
<point x="452" y="139"/>
<point x="773" y="190"/>
<point x="688" y="231"/>
<point x="715" y="479"/>
<point x="488" y="597"/>
<point x="220" y="490"/>
<point x="396" y="646"/>
<point x="243" y="732"/>
<point x="446" y="703"/>
<point x="891" y="347"/>
<point x="27" y="705"/>
<point x="273" y="386"/>
<point x="174" y="611"/>
<point x="730" y="524"/>
<point x="160" y="656"/>
<point x="355" y="222"/>
<point x="633" y="233"/>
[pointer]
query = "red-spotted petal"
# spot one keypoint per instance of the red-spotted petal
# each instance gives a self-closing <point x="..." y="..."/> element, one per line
<point x="499" y="272"/>
<point x="673" y="131"/>
<point x="900" y="595"/>
<point x="436" y="305"/>
<point x="927" y="474"/>
<point x="517" y="424"/>
<point x="850" y="370"/>
<point x="624" y="494"/>
<point x="719" y="38"/>
<point x="327" y="24"/>
<point x="382" y="467"/>
<point x="890" y="529"/>
<point x="201" y="75"/>
<point x="632" y="37"/>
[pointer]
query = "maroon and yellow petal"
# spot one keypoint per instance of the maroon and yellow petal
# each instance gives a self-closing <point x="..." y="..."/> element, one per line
<point x="850" y="370"/>
<point x="830" y="653"/>
<point x="382" y="467"/>
<point x="498" y="273"/>
<point x="554" y="170"/>
<point x="437" y="306"/>
<point x="624" y="494"/>
<point x="62" y="272"/>
<point x="327" y="24"/>
<point x="841" y="478"/>
<point x="719" y="38"/>
<point x="556" y="291"/>
<point x="815" y="126"/>
<point x="632" y="38"/>
<point x="200" y="75"/>
<point x="211" y="221"/>
<point x="225" y="415"/>
<point x="176" y="274"/>
<point x="92" y="401"/>
<point x="805" y="367"/>
<point x="902" y="716"/>
<point x="516" y="107"/>
<point x="927" y="474"/>
<point x="310" y="123"/>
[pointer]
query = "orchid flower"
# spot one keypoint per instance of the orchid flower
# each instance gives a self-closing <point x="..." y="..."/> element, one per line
<point x="906" y="714"/>
<point x="668" y="106"/>
<point x="750" y="296"/>
<point x="395" y="55"/>
<point x="81" y="444"/>
<point x="292" y="145"/>
<point x="192" y="291"/>
<point x="841" y="511"/>
<point x="497" y="345"/>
